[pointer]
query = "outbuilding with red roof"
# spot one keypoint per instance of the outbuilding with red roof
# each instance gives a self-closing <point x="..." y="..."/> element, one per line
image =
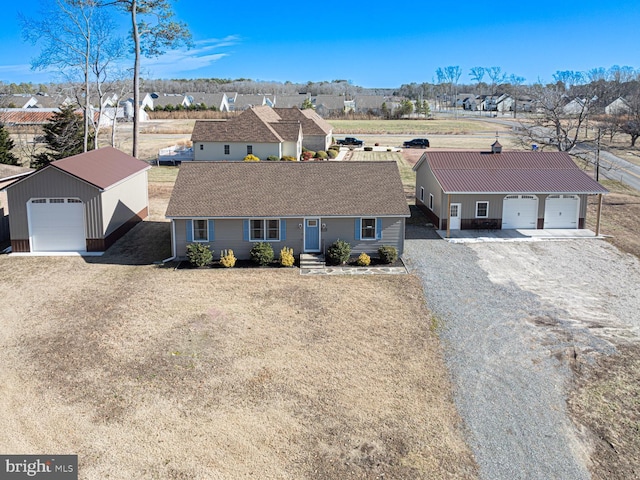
<point x="82" y="203"/>
<point x="507" y="190"/>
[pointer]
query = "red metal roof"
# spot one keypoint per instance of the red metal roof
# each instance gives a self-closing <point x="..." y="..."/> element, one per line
<point x="103" y="167"/>
<point x="509" y="172"/>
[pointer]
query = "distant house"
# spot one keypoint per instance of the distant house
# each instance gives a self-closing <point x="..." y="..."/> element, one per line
<point x="159" y="101"/>
<point x="209" y="100"/>
<point x="370" y="104"/>
<point x="8" y="174"/>
<point x="509" y="190"/>
<point x="302" y="205"/>
<point x="471" y="102"/>
<point x="18" y="101"/>
<point x="26" y="116"/>
<point x="82" y="203"/>
<point x="576" y="106"/>
<point x="329" y="105"/>
<point x="618" y="107"/>
<point x="244" y="102"/>
<point x="258" y="131"/>
<point x="289" y="101"/>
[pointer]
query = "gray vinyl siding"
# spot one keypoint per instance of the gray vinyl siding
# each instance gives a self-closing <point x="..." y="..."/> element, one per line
<point x="122" y="202"/>
<point x="426" y="180"/>
<point x="316" y="142"/>
<point x="345" y="229"/>
<point x="214" y="151"/>
<point x="50" y="183"/>
<point x="469" y="205"/>
<point x="228" y="234"/>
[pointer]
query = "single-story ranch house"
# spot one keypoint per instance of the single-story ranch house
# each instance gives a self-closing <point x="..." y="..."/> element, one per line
<point x="302" y="205"/>
<point x="261" y="131"/>
<point x="508" y="190"/>
<point x="82" y="203"/>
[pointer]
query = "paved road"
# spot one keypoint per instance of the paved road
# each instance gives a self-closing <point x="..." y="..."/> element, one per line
<point x="611" y="166"/>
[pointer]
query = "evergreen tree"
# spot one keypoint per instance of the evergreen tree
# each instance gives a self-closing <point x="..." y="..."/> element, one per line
<point x="6" y="145"/>
<point x="64" y="136"/>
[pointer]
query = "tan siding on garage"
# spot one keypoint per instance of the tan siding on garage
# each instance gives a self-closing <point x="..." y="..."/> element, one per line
<point x="49" y="183"/>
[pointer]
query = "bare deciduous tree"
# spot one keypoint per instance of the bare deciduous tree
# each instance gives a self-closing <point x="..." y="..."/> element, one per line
<point x="153" y="30"/>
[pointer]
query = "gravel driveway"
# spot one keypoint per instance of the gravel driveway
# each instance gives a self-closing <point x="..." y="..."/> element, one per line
<point x="515" y="318"/>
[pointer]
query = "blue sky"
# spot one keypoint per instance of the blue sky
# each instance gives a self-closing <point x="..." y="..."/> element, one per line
<point x="374" y="44"/>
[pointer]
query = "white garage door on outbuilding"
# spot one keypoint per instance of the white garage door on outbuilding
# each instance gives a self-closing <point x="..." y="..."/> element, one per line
<point x="520" y="211"/>
<point x="56" y="225"/>
<point x="561" y="211"/>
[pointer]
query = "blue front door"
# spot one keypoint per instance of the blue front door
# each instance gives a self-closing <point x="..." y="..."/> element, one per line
<point x="312" y="235"/>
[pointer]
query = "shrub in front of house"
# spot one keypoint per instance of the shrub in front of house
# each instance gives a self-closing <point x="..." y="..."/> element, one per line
<point x="338" y="252"/>
<point x="199" y="254"/>
<point x="273" y="158"/>
<point x="251" y="158"/>
<point x="308" y="155"/>
<point x="364" y="260"/>
<point x="227" y="258"/>
<point x="286" y="257"/>
<point x="331" y="153"/>
<point x="261" y="253"/>
<point x="388" y="254"/>
<point x="321" y="155"/>
<point x="288" y="158"/>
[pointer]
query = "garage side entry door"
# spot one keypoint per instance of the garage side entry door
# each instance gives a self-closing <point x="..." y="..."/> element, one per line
<point x="561" y="211"/>
<point x="56" y="225"/>
<point x="520" y="211"/>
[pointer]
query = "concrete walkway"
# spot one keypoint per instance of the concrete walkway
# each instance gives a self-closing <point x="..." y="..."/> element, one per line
<point x="354" y="271"/>
<point x="517" y="235"/>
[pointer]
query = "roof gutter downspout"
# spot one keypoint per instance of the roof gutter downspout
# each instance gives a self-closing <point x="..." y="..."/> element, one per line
<point x="173" y="243"/>
<point x="598" y="216"/>
<point x="448" y="215"/>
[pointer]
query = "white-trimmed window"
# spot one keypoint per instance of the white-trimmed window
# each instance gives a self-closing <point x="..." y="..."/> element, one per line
<point x="261" y="230"/>
<point x="482" y="209"/>
<point x="202" y="146"/>
<point x="200" y="230"/>
<point x="422" y="194"/>
<point x="431" y="201"/>
<point x="249" y="149"/>
<point x="368" y="229"/>
<point x="227" y="149"/>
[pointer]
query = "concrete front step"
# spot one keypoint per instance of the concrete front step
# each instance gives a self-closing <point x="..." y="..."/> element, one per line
<point x="308" y="260"/>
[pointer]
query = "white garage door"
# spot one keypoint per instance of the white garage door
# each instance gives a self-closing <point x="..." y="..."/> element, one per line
<point x="57" y="225"/>
<point x="561" y="211"/>
<point x="520" y="211"/>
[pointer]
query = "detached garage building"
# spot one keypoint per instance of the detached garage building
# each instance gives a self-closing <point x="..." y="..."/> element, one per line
<point x="511" y="190"/>
<point x="79" y="204"/>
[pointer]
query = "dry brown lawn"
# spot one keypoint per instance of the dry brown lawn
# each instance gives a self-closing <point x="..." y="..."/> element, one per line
<point x="149" y="372"/>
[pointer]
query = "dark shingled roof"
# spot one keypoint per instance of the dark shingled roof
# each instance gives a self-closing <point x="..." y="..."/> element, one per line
<point x="282" y="189"/>
<point x="509" y="172"/>
<point x="103" y="167"/>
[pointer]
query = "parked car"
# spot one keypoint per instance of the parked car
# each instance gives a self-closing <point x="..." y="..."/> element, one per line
<point x="416" y="143"/>
<point x="351" y="141"/>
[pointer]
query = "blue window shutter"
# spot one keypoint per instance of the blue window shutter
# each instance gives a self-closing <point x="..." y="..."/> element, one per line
<point x="211" y="231"/>
<point x="358" y="234"/>
<point x="283" y="230"/>
<point x="245" y="230"/>
<point x="378" y="228"/>
<point x="189" y="230"/>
